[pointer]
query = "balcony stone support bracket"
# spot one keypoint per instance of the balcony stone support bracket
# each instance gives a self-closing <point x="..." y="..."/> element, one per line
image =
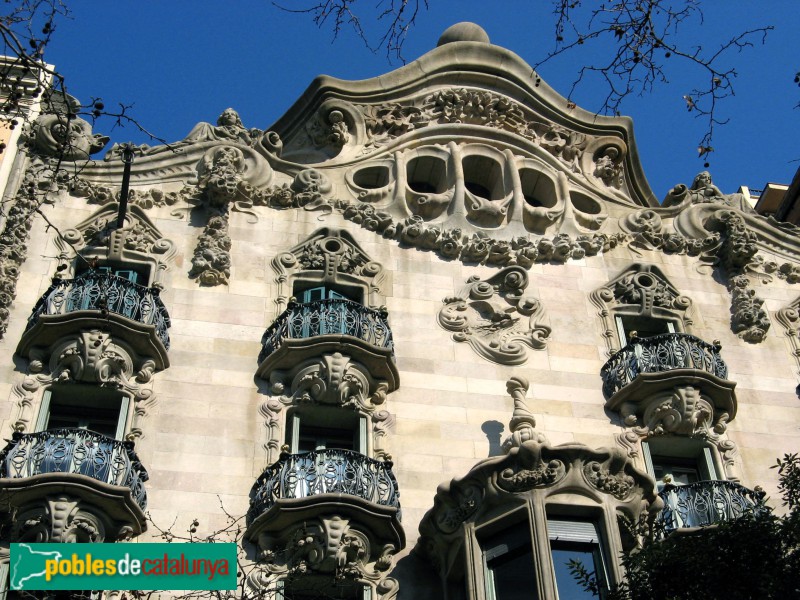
<point x="640" y="290"/>
<point x="65" y="518"/>
<point x="326" y="548"/>
<point x="497" y="317"/>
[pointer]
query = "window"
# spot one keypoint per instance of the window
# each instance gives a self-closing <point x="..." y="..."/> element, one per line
<point x="94" y="408"/>
<point x="678" y="461"/>
<point x="576" y="540"/>
<point x="643" y="326"/>
<point x="509" y="572"/>
<point x="132" y="272"/>
<point x="324" y="292"/>
<point x="324" y="428"/>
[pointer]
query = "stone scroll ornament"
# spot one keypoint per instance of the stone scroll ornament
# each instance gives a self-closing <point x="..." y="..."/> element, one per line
<point x="496" y="318"/>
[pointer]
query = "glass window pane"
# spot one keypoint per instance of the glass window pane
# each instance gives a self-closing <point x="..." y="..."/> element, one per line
<point x="513" y="576"/>
<point x="568" y="587"/>
<point x="509" y="565"/>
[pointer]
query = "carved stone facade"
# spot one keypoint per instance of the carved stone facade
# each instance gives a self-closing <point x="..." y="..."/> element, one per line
<point x="454" y="225"/>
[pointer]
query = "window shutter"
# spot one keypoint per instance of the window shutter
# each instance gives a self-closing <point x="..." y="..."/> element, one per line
<point x="294" y="433"/>
<point x="623" y="338"/>
<point x="125" y="402"/>
<point x="573" y="531"/>
<point x="361" y="442"/>
<point x="44" y="411"/>
<point x="648" y="459"/>
<point x="709" y="470"/>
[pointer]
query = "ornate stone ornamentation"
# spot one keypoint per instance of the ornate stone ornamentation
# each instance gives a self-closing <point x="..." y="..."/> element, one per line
<point x="496" y="317"/>
<point x="325" y="550"/>
<point x="523" y="423"/>
<point x="704" y="191"/>
<point x="457" y="508"/>
<point x="537" y="474"/>
<point x="789" y="319"/>
<point x="64" y="519"/>
<point x="211" y="263"/>
<point x="90" y="357"/>
<point x="609" y="480"/>
<point x="330" y="379"/>
<point x="329" y="130"/>
<point x="542" y="475"/>
<point x="333" y="257"/>
<point x="681" y="411"/>
<point x="41" y="179"/>
<point x="640" y="290"/>
<point x="736" y="254"/>
<point x="64" y="138"/>
<point x="139" y="242"/>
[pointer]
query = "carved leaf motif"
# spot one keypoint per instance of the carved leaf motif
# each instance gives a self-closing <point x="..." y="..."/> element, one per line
<point x="526" y="479"/>
<point x="619" y="484"/>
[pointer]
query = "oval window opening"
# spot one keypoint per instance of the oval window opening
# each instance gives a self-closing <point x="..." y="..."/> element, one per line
<point x="538" y="190"/>
<point x="427" y="175"/>
<point x="372" y="178"/>
<point x="483" y="177"/>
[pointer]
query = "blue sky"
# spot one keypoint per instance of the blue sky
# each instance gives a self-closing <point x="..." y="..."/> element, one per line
<point x="179" y="62"/>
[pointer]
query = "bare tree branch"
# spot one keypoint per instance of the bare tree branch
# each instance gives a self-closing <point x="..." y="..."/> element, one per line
<point x="632" y="42"/>
<point x="395" y="19"/>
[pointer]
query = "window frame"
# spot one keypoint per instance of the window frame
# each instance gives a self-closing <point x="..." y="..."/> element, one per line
<point x="682" y="450"/>
<point x="622" y="330"/>
<point x="43" y="418"/>
<point x="295" y="420"/>
<point x="565" y="531"/>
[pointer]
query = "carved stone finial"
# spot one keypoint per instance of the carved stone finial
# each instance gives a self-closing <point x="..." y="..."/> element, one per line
<point x="463" y="32"/>
<point x="522" y="418"/>
<point x="522" y="423"/>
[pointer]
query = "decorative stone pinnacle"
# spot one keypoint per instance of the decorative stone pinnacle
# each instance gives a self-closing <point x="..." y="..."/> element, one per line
<point x="522" y="424"/>
<point x="522" y="418"/>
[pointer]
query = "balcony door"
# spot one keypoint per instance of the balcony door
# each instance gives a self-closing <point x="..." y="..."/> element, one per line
<point x="323" y="443"/>
<point x="324" y="318"/>
<point x="85" y="296"/>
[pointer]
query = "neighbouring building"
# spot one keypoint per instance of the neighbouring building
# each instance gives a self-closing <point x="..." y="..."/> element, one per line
<point x="445" y="289"/>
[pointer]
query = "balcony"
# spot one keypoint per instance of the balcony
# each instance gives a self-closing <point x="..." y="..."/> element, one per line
<point x="300" y="487"/>
<point x="658" y="354"/>
<point x="307" y="330"/>
<point x="132" y="313"/>
<point x="706" y="503"/>
<point x="675" y="369"/>
<point x="82" y="465"/>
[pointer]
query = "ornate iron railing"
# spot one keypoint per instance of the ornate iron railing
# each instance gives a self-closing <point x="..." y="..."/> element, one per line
<point x="76" y="451"/>
<point x="327" y="317"/>
<point x="324" y="472"/>
<point x="658" y="353"/>
<point x="706" y="503"/>
<point x="96" y="290"/>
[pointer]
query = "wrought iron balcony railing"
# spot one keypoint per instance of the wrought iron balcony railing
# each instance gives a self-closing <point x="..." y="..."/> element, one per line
<point x="76" y="451"/>
<point x="706" y="503"/>
<point x="324" y="472"/>
<point x="658" y="353"/>
<point x="327" y="317"/>
<point x="95" y="290"/>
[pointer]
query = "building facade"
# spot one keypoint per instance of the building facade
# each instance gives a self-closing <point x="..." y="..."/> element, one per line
<point x="431" y="335"/>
